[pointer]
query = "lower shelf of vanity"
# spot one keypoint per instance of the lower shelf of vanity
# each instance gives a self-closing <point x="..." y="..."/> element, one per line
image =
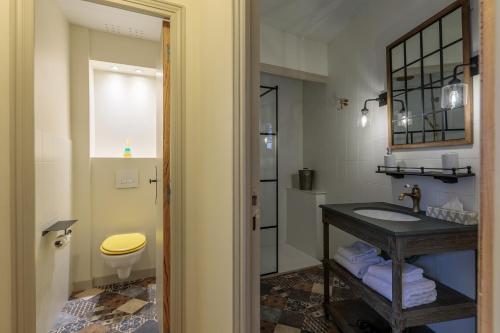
<point x="450" y="304"/>
<point x="355" y="316"/>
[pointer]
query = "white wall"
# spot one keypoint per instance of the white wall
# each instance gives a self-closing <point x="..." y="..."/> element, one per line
<point x="124" y="109"/>
<point x="289" y="138"/>
<point x="284" y="49"/>
<point x="124" y="50"/>
<point x="80" y="96"/>
<point x="122" y="210"/>
<point x="346" y="155"/>
<point x="52" y="158"/>
<point x="88" y="45"/>
<point x="317" y="155"/>
<point x="209" y="120"/>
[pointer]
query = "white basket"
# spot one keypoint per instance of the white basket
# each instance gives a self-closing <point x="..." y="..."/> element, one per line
<point x="465" y="217"/>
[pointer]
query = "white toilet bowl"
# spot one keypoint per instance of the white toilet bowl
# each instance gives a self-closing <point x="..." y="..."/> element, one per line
<point x="122" y="251"/>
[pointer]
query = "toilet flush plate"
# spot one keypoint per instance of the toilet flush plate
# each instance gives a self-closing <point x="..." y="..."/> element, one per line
<point x="126" y="178"/>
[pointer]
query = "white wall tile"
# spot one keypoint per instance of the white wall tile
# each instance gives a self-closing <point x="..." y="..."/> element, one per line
<point x="52" y="159"/>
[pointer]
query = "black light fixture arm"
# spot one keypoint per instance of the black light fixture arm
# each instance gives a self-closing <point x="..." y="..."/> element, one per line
<point x="473" y="64"/>
<point x="365" y="108"/>
<point x="403" y="107"/>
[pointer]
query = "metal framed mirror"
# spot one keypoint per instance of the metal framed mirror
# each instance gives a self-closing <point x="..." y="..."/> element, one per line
<point x="419" y="65"/>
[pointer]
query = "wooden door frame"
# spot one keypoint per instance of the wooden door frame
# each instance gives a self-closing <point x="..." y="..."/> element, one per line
<point x="249" y="288"/>
<point x="246" y="60"/>
<point x="24" y="300"/>
<point x="488" y="136"/>
<point x="166" y="176"/>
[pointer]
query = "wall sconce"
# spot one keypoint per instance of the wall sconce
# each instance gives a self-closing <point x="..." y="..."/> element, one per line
<point x="455" y="94"/>
<point x="364" y="111"/>
<point x="382" y="101"/>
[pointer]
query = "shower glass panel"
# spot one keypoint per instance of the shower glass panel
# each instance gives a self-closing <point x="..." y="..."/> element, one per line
<point x="268" y="204"/>
<point x="268" y="160"/>
<point x="268" y="252"/>
<point x="269" y="179"/>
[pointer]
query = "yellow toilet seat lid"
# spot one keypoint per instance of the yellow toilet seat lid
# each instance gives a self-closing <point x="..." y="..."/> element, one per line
<point x="123" y="243"/>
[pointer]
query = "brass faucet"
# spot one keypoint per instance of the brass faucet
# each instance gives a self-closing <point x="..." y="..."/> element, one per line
<point x="415" y="195"/>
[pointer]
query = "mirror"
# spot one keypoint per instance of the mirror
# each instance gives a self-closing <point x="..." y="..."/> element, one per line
<point x="419" y="64"/>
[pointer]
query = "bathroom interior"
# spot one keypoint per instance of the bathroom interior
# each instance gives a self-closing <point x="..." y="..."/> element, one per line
<point x="358" y="99"/>
<point x="98" y="150"/>
<point x="369" y="165"/>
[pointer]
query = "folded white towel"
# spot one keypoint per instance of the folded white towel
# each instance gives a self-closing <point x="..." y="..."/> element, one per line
<point x="426" y="298"/>
<point x="409" y="288"/>
<point x="358" y="252"/>
<point x="414" y="293"/>
<point x="358" y="269"/>
<point x="383" y="271"/>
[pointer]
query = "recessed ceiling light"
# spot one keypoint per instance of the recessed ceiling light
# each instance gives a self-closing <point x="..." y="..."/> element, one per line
<point x="115" y="68"/>
<point x="138" y="71"/>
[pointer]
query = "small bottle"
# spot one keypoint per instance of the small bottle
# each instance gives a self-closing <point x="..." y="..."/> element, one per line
<point x="127" y="151"/>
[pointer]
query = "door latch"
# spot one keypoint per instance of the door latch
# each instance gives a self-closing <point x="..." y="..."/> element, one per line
<point x="255" y="211"/>
<point x="155" y="181"/>
<point x="168" y="193"/>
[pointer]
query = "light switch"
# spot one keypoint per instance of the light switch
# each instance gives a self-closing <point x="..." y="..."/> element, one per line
<point x="126" y="178"/>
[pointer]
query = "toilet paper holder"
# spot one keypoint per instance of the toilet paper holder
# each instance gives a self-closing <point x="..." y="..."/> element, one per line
<point x="62" y="240"/>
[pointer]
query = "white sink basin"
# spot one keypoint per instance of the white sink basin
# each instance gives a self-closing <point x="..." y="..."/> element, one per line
<point x="386" y="215"/>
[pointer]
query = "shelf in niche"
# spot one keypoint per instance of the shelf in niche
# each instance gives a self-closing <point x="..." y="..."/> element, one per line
<point x="122" y="158"/>
<point x="60" y="226"/>
<point x="449" y="176"/>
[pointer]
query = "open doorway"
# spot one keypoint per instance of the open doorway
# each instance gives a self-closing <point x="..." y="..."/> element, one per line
<point x="350" y="44"/>
<point x="102" y="168"/>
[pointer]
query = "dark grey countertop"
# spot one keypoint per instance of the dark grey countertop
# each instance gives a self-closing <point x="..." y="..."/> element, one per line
<point x="427" y="225"/>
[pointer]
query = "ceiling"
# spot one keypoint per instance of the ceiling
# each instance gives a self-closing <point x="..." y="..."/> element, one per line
<point x="112" y="20"/>
<point x="319" y="20"/>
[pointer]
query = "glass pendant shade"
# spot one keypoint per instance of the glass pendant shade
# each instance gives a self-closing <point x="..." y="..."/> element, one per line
<point x="404" y="120"/>
<point x="364" y="118"/>
<point x="454" y="96"/>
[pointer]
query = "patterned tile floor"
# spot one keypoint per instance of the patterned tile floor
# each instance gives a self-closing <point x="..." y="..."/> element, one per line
<point x="122" y="307"/>
<point x="292" y="302"/>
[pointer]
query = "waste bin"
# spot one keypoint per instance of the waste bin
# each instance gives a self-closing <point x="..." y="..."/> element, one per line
<point x="306" y="179"/>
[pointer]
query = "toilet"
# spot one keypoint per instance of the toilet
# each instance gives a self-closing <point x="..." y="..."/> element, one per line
<point x="122" y="251"/>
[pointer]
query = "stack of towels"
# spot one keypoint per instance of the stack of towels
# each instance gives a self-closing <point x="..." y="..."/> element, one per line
<point x="417" y="290"/>
<point x="363" y="261"/>
<point x="357" y="258"/>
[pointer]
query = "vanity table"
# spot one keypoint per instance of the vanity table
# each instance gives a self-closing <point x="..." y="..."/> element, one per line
<point x="400" y="240"/>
